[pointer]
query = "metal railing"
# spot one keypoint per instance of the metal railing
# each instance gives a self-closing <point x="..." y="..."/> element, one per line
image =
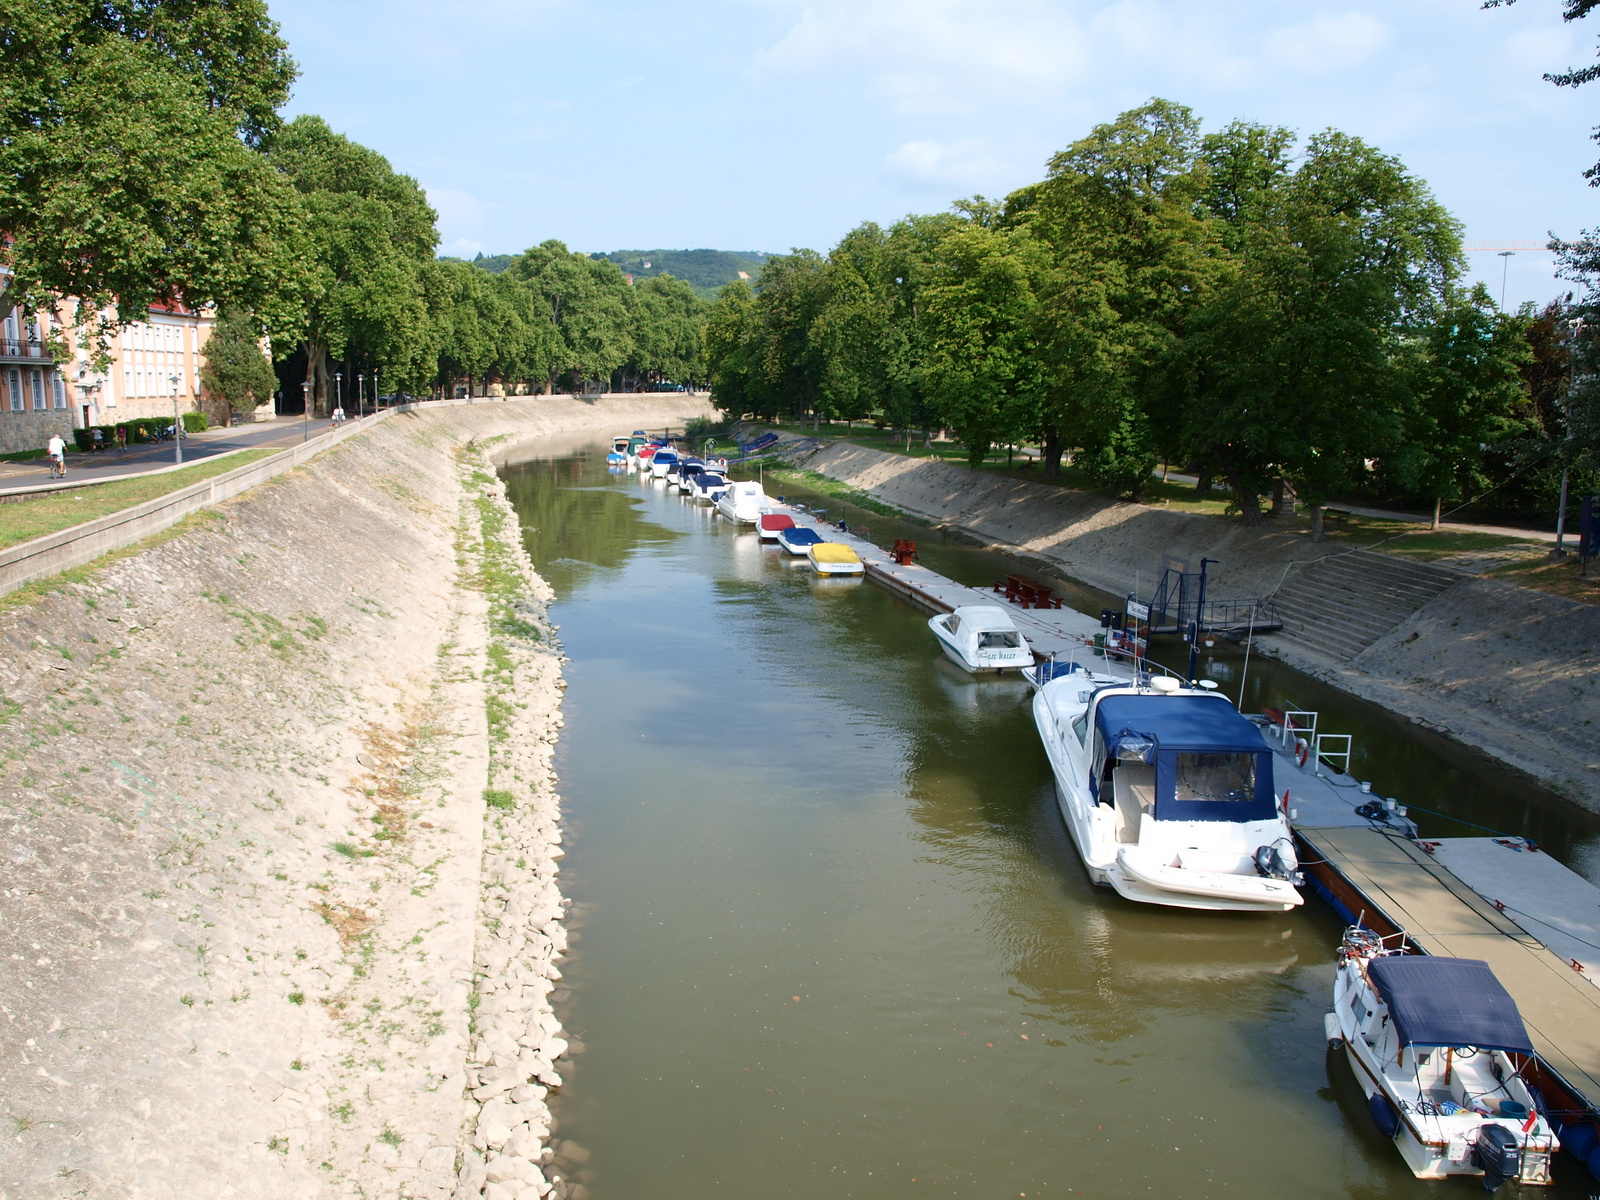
<point x="22" y="348"/>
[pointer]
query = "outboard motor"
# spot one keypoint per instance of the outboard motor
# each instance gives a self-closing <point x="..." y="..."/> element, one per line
<point x="1271" y="863"/>
<point x="1496" y="1153"/>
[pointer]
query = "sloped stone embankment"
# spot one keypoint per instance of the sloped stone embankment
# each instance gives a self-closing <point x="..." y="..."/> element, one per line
<point x="279" y="839"/>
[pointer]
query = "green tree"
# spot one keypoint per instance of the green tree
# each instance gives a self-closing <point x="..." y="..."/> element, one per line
<point x="1293" y="362"/>
<point x="786" y="358"/>
<point x="368" y="250"/>
<point x="129" y="163"/>
<point x="582" y="300"/>
<point x="729" y="345"/>
<point x="236" y="369"/>
<point x="1466" y="399"/>
<point x="979" y="310"/>
<point x="1128" y="256"/>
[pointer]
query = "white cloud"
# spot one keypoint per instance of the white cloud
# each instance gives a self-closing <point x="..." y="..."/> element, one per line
<point x="1542" y="50"/>
<point x="461" y="220"/>
<point x="1328" y="43"/>
<point x="968" y="164"/>
<point x="935" y="56"/>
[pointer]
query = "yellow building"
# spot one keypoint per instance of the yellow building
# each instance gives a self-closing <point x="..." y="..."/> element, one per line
<point x="152" y="361"/>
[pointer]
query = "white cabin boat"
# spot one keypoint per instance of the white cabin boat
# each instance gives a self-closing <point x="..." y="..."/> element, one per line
<point x="662" y="461"/>
<point x="1437" y="1045"/>
<point x="618" y="456"/>
<point x="708" y="486"/>
<point x="982" y="637"/>
<point x="1168" y="793"/>
<point x="744" y="502"/>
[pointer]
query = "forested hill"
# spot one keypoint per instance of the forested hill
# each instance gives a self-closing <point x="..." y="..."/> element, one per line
<point x="704" y="270"/>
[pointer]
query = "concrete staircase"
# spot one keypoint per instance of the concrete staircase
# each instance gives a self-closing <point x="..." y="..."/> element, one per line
<point x="1342" y="604"/>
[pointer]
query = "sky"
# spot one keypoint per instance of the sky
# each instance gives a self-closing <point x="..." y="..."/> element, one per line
<point x="773" y="124"/>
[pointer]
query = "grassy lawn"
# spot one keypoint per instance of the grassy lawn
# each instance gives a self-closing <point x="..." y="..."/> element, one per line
<point x="1559" y="578"/>
<point x="25" y="520"/>
<point x="1410" y="539"/>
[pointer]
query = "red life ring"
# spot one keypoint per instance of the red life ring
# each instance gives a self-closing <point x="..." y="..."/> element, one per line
<point x="1302" y="751"/>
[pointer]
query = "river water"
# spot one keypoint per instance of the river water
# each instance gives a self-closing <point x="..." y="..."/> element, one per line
<point x="832" y="939"/>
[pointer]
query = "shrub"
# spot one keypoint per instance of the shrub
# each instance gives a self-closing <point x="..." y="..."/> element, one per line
<point x="495" y="798"/>
<point x="196" y="422"/>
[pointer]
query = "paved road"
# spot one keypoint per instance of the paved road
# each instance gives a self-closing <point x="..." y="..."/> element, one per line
<point x="139" y="459"/>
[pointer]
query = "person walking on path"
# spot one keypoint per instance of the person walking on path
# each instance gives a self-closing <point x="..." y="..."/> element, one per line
<point x="122" y="438"/>
<point x="338" y="416"/>
<point x="57" y="451"/>
<point x="99" y="440"/>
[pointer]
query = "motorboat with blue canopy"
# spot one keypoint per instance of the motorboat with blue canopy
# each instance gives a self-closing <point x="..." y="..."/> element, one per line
<point x="1211" y="764"/>
<point x="663" y="460"/>
<point x="1438" y="1047"/>
<point x="709" y="486"/>
<point x="798" y="540"/>
<point x="1167" y="792"/>
<point x="1448" y="1002"/>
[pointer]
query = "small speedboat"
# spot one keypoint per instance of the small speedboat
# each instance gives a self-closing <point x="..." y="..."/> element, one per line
<point x="798" y="540"/>
<point x="618" y="457"/>
<point x="982" y="637"/>
<point x="709" y="486"/>
<point x="743" y="502"/>
<point x="771" y="524"/>
<point x="662" y="461"/>
<point x="1167" y="793"/>
<point x="835" y="558"/>
<point x="644" y="456"/>
<point x="1438" y="1045"/>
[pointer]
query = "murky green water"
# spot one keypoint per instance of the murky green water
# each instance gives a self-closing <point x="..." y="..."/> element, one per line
<point x="833" y="940"/>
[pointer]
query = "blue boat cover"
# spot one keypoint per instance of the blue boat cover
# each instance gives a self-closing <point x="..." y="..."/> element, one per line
<point x="666" y="456"/>
<point x="1046" y="671"/>
<point x="799" y="537"/>
<point x="1448" y="1002"/>
<point x="1188" y="725"/>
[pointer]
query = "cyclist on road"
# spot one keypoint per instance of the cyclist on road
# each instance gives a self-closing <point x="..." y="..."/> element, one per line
<point x="57" y="450"/>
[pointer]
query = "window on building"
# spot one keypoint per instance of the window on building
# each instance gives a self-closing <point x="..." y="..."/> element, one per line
<point x="36" y="385"/>
<point x="59" y="387"/>
<point x="14" y="389"/>
<point x="127" y="382"/>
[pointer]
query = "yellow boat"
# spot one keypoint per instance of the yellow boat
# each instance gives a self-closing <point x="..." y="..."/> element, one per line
<point x="830" y="558"/>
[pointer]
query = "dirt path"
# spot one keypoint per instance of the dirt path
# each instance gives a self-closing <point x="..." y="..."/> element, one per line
<point x="278" y="908"/>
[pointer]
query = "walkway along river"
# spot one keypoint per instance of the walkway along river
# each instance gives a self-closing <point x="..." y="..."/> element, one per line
<point x="832" y="940"/>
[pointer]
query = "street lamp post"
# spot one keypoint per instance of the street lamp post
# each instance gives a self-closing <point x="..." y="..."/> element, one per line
<point x="338" y="391"/>
<point x="377" y="399"/>
<point x="361" y="395"/>
<point x="305" y="412"/>
<point x="177" y="422"/>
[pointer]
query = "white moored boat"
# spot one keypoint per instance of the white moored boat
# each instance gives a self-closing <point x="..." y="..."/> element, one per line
<point x="662" y="461"/>
<point x="1167" y="792"/>
<point x="1437" y="1045"/>
<point x="771" y="524"/>
<point x="743" y="502"/>
<point x="982" y="637"/>
<point x="798" y="540"/>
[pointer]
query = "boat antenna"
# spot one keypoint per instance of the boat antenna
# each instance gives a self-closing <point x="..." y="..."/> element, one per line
<point x="1244" y="676"/>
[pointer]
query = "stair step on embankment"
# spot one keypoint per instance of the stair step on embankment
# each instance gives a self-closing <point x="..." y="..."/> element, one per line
<point x="1379" y="580"/>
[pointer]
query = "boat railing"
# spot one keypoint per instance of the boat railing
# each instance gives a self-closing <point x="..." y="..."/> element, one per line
<point x="1143" y="668"/>
<point x="1330" y="746"/>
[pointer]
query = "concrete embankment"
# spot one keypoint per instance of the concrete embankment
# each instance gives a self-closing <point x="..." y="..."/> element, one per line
<point x="280" y="913"/>
<point x="1505" y="670"/>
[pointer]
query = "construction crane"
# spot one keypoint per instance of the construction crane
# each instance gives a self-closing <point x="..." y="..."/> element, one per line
<point x="1506" y="247"/>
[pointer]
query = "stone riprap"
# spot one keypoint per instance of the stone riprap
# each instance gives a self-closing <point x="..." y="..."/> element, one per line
<point x="279" y="911"/>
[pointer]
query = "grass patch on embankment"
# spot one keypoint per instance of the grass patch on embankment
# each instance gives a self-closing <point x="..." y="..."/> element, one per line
<point x="22" y="521"/>
<point x="818" y="482"/>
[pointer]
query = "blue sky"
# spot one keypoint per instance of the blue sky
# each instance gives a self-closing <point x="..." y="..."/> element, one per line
<point x="768" y="124"/>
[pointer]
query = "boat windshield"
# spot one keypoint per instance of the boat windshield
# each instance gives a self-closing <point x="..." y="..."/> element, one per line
<point x="1215" y="777"/>
<point x="1006" y="639"/>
